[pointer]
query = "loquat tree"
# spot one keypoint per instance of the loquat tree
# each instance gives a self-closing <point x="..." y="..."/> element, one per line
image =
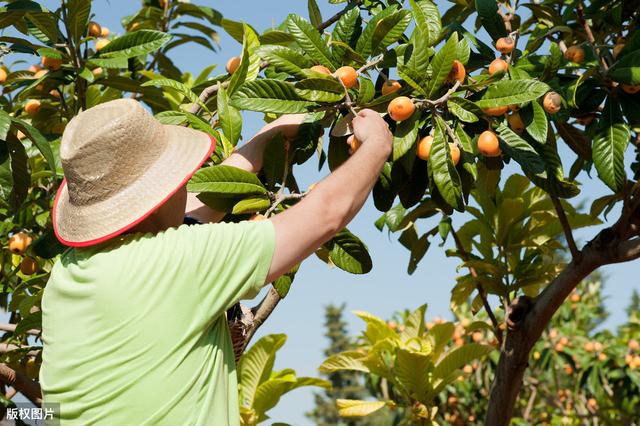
<point x="545" y="83"/>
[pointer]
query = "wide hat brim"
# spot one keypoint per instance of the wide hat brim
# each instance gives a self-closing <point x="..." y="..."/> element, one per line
<point x="80" y="226"/>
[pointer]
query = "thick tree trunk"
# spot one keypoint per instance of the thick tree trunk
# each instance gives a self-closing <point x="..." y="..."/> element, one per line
<point x="527" y="319"/>
<point x="508" y="380"/>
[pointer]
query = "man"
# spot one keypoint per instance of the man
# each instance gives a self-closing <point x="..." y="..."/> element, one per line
<point x="133" y="315"/>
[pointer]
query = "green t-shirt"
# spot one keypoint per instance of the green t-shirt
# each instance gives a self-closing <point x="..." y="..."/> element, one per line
<point x="135" y="331"/>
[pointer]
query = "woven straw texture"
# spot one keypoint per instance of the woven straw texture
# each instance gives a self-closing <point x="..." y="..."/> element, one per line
<point x="120" y="164"/>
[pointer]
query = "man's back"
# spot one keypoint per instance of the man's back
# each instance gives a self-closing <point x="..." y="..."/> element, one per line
<point x="137" y="324"/>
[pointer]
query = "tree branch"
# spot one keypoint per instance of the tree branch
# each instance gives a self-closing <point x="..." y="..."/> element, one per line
<point x="568" y="234"/>
<point x="587" y="29"/>
<point x="262" y="311"/>
<point x="12" y="328"/>
<point x="22" y="384"/>
<point x="326" y="24"/>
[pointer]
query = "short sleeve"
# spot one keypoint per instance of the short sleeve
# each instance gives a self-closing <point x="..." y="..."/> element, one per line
<point x="224" y="262"/>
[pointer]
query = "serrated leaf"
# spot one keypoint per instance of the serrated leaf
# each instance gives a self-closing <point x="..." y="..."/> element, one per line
<point x="38" y="140"/>
<point x="406" y="135"/>
<point x="314" y="13"/>
<point x="536" y="122"/>
<point x="320" y="90"/>
<point x="427" y="17"/>
<point x="225" y="181"/>
<point x="20" y="176"/>
<point x="357" y="408"/>
<point x="181" y="88"/>
<point x="348" y="253"/>
<point x="134" y="44"/>
<point x="249" y="67"/>
<point x="285" y="59"/>
<point x="458" y="357"/>
<point x="509" y="92"/>
<point x="520" y="150"/>
<point x="229" y="117"/>
<point x="445" y="175"/>
<point x="267" y="95"/>
<point x="348" y="360"/>
<point x="464" y="109"/>
<point x="256" y="364"/>
<point x="441" y="64"/>
<point x="345" y="31"/>
<point x="491" y="21"/>
<point x="251" y="205"/>
<point x="389" y="30"/>
<point x="609" y="145"/>
<point x="413" y="372"/>
<point x="309" y="40"/>
<point x="364" y="44"/>
<point x="627" y="69"/>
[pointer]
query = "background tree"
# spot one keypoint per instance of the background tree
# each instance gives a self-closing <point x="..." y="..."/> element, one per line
<point x="344" y="384"/>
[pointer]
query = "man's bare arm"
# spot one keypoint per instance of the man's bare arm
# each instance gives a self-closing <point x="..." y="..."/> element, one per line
<point x="334" y="201"/>
<point x="248" y="157"/>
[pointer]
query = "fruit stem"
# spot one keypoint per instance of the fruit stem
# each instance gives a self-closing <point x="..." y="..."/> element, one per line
<point x="444" y="98"/>
<point x="372" y="63"/>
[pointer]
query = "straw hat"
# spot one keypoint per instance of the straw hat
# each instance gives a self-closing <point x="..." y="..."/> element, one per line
<point x="120" y="164"/>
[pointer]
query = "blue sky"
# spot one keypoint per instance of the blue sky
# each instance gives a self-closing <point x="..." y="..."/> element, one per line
<point x="387" y="288"/>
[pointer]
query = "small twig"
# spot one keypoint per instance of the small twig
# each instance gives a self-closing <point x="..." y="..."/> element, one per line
<point x="465" y="256"/>
<point x="442" y="99"/>
<point x="261" y="312"/>
<point x="348" y="99"/>
<point x="12" y="328"/>
<point x="338" y="15"/>
<point x="587" y="29"/>
<point x="532" y="398"/>
<point x="22" y="383"/>
<point x="372" y="63"/>
<point x="575" y="253"/>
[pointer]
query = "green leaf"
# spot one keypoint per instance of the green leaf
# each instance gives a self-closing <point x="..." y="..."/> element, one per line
<point x="38" y="140"/>
<point x="345" y="31"/>
<point x="320" y="89"/>
<point x="389" y="30"/>
<point x="445" y="175"/>
<point x="47" y="23"/>
<point x="269" y="393"/>
<point x="256" y="364"/>
<point x="309" y="40"/>
<point x="552" y="65"/>
<point x="441" y="64"/>
<point x="406" y="135"/>
<point x="536" y="121"/>
<point x="427" y="17"/>
<point x="252" y="205"/>
<point x="357" y="408"/>
<point x="413" y="372"/>
<point x="348" y="360"/>
<point x="314" y="13"/>
<point x="78" y="12"/>
<point x="249" y="62"/>
<point x="266" y="95"/>
<point x="225" y="181"/>
<point x="509" y="92"/>
<point x="464" y="109"/>
<point x="348" y="253"/>
<point x="520" y="150"/>
<point x="458" y="357"/>
<point x="134" y="44"/>
<point x="5" y="125"/>
<point x="20" y="176"/>
<point x="609" y="145"/>
<point x="491" y="21"/>
<point x="275" y="37"/>
<point x="229" y="117"/>
<point x="364" y="44"/>
<point x="181" y="88"/>
<point x="627" y="69"/>
<point x="285" y="59"/>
